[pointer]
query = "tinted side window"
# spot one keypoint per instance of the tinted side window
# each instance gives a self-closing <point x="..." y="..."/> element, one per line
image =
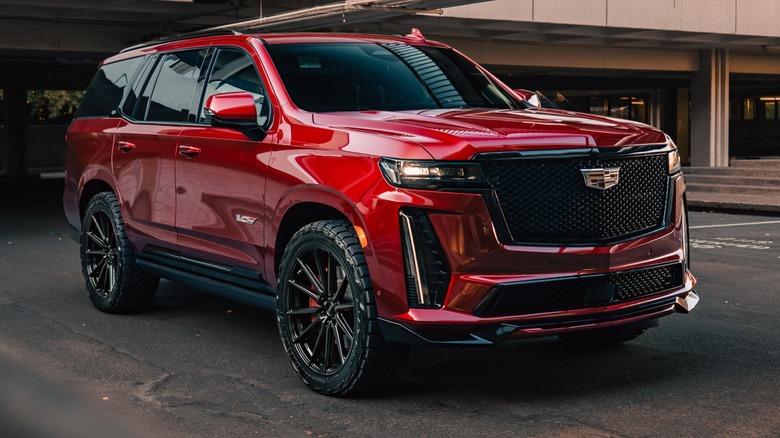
<point x="233" y="71"/>
<point x="176" y="74"/>
<point x="107" y="87"/>
<point x="132" y="101"/>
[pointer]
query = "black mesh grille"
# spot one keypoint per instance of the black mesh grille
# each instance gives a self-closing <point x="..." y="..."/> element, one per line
<point x="579" y="292"/>
<point x="546" y="200"/>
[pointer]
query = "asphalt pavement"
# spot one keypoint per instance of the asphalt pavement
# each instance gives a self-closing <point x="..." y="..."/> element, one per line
<point x="200" y="366"/>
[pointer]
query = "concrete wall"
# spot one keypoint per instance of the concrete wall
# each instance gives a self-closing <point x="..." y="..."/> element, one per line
<point x="522" y="54"/>
<point x="735" y="17"/>
<point x="76" y="37"/>
<point x="767" y="64"/>
<point x="46" y="148"/>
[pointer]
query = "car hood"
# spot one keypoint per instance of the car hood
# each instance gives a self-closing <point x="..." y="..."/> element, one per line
<point x="459" y="134"/>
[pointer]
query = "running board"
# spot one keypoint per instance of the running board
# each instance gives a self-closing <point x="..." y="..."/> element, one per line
<point x="235" y="284"/>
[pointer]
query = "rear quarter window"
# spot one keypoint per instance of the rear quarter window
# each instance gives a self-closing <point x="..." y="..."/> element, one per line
<point x="107" y="88"/>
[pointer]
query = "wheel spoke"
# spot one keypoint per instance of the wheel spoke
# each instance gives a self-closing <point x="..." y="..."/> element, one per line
<point x="331" y="275"/>
<point x="339" y="347"/>
<point x="97" y="240"/>
<point x="315" y="351"/>
<point x="304" y="290"/>
<point x="95" y="270"/>
<point x="301" y="337"/>
<point x="342" y="288"/>
<point x="111" y="276"/>
<point x="99" y="230"/>
<point x="321" y="276"/>
<point x="341" y="308"/>
<point x="100" y="279"/>
<point x="312" y="278"/>
<point x="345" y="327"/>
<point x="303" y="311"/>
<point x="328" y="346"/>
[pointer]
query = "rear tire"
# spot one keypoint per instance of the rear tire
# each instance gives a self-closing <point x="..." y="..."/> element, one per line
<point x="116" y="284"/>
<point x="327" y="314"/>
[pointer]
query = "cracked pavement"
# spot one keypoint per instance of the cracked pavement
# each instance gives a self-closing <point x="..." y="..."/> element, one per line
<point x="200" y="366"/>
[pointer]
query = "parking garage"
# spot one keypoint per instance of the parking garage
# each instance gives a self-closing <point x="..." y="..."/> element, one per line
<point x="706" y="73"/>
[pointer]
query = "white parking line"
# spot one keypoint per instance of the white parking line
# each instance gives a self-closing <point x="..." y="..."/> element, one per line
<point x="744" y="224"/>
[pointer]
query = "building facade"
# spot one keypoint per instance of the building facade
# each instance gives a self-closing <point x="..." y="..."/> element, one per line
<point x="705" y="71"/>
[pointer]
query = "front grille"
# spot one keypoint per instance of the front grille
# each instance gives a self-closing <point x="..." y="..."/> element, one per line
<point x="579" y="292"/>
<point x="546" y="200"/>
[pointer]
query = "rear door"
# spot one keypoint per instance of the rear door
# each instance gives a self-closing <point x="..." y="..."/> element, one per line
<point x="155" y="111"/>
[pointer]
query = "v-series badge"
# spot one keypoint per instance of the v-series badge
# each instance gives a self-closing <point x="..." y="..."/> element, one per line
<point x="246" y="219"/>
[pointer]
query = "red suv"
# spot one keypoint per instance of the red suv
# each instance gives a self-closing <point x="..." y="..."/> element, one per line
<point x="375" y="192"/>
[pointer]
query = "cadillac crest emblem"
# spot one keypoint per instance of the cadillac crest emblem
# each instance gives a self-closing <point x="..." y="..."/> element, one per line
<point x="601" y="179"/>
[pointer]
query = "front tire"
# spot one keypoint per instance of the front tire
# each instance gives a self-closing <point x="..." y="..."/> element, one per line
<point x="116" y="284"/>
<point x="327" y="313"/>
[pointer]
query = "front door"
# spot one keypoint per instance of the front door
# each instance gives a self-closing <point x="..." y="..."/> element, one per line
<point x="220" y="175"/>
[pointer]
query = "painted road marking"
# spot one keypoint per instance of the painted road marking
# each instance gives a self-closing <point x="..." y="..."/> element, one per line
<point x="744" y="224"/>
<point x="731" y="242"/>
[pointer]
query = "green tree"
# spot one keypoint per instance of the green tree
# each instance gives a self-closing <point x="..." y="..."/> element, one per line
<point x="52" y="107"/>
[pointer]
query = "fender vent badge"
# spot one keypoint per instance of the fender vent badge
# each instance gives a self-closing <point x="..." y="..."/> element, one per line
<point x="245" y="219"/>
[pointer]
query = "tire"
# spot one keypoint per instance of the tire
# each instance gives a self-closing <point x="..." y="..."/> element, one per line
<point x="327" y="314"/>
<point x="606" y="337"/>
<point x="116" y="284"/>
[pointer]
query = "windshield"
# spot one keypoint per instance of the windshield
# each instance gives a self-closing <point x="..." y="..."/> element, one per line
<point x="325" y="77"/>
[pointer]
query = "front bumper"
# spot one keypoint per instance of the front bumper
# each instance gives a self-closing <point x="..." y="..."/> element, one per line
<point x="590" y="285"/>
<point x="464" y="332"/>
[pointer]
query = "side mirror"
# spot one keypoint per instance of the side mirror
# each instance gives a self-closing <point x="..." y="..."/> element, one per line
<point x="529" y="96"/>
<point x="236" y="110"/>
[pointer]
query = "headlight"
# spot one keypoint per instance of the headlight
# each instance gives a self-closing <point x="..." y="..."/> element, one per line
<point x="674" y="161"/>
<point x="432" y="174"/>
<point x="673" y="157"/>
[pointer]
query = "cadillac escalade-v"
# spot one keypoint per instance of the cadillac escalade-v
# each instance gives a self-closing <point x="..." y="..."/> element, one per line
<point x="374" y="192"/>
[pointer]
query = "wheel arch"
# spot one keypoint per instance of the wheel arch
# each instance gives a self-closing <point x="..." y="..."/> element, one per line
<point x="90" y="189"/>
<point x="304" y="206"/>
<point x="296" y="218"/>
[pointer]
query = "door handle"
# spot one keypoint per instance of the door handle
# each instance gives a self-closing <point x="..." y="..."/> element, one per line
<point x="125" y="146"/>
<point x="188" y="151"/>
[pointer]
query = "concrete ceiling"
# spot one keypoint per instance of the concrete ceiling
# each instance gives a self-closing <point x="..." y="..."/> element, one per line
<point x="71" y="36"/>
<point x="72" y="28"/>
<point x="546" y="33"/>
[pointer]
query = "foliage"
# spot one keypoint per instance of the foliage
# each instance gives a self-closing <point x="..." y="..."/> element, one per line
<point x="52" y="107"/>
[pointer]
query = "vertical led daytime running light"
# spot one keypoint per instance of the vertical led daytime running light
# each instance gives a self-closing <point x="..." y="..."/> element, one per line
<point x="411" y="260"/>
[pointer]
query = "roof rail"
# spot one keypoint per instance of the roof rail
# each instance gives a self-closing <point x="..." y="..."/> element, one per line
<point x="181" y="36"/>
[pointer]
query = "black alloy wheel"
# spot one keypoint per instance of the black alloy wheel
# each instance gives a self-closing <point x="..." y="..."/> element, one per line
<point x="102" y="256"/>
<point x="116" y="284"/>
<point x="327" y="315"/>
<point x="321" y="311"/>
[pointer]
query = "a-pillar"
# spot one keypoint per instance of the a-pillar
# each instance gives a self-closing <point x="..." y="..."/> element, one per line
<point x="710" y="110"/>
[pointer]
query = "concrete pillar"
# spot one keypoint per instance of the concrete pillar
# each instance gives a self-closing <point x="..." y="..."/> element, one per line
<point x="656" y="109"/>
<point x="14" y="106"/>
<point x="710" y="110"/>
